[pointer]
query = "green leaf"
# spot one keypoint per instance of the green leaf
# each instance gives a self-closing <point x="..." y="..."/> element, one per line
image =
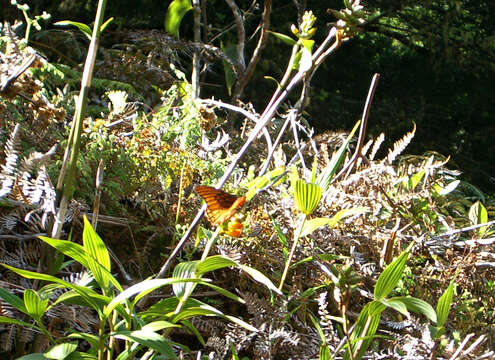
<point x="184" y="270"/>
<point x="262" y="181"/>
<point x="85" y="29"/>
<point x="35" y="306"/>
<point x="35" y="356"/>
<point x="175" y="12"/>
<point x="316" y="223"/>
<point x="286" y="39"/>
<point x="229" y="73"/>
<point x="149" y="339"/>
<point x="95" y="246"/>
<point x="13" y="300"/>
<point x="92" y="340"/>
<point x="326" y="176"/>
<point x="478" y="215"/>
<point x="390" y="276"/>
<point x="142" y="288"/>
<point x="415" y="179"/>
<point x="77" y="355"/>
<point x="260" y="277"/>
<point x="7" y="320"/>
<point x="86" y="293"/>
<point x="418" y="306"/>
<point x="105" y="24"/>
<point x="159" y="325"/>
<point x="307" y="196"/>
<point x="444" y="303"/>
<point x="96" y="255"/>
<point x="396" y="305"/>
<point x="281" y="238"/>
<point x="68" y="248"/>
<point x="61" y="351"/>
<point x="365" y="328"/>
<point x="213" y="263"/>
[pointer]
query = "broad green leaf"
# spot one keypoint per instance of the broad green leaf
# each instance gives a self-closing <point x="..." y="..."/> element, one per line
<point x="13" y="300"/>
<point x="365" y="328"/>
<point x="260" y="277"/>
<point x="286" y="39"/>
<point x="94" y="245"/>
<point x="316" y="223"/>
<point x="77" y="355"/>
<point x="83" y="291"/>
<point x="60" y="351"/>
<point x="307" y="196"/>
<point x="324" y="353"/>
<point x="208" y="310"/>
<point x="418" y="306"/>
<point x="175" y="12"/>
<point x="73" y="298"/>
<point x="68" y="248"/>
<point x="478" y="215"/>
<point x="184" y="270"/>
<point x="444" y="303"/>
<point x="35" y="306"/>
<point x="7" y="320"/>
<point x="159" y="325"/>
<point x="149" y="339"/>
<point x="35" y="356"/>
<point x="388" y="279"/>
<point x="326" y="176"/>
<point x="396" y="305"/>
<point x="213" y="263"/>
<point x="142" y="288"/>
<point x="97" y="256"/>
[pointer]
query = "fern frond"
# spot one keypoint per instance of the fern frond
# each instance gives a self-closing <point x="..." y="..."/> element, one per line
<point x="11" y="156"/>
<point x="376" y="146"/>
<point x="399" y="146"/>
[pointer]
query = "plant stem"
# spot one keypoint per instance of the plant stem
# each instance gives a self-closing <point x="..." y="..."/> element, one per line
<point x="292" y="250"/>
<point x="78" y="119"/>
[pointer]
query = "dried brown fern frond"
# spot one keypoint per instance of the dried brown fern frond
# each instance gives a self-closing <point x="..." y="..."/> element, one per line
<point x="11" y="150"/>
<point x="399" y="146"/>
<point x="376" y="146"/>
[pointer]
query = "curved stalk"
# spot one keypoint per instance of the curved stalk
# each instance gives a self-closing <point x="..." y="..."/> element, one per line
<point x="292" y="250"/>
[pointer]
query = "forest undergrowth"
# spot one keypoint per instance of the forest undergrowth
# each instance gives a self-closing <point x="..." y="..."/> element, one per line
<point x="317" y="247"/>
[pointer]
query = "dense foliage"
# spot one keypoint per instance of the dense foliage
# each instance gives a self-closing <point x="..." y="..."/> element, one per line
<point x="336" y="245"/>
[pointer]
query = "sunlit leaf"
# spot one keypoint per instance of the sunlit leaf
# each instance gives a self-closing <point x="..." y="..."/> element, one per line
<point x="61" y="351"/>
<point x="175" y="12"/>
<point x="307" y="196"/>
<point x="444" y="303"/>
<point x="286" y="39"/>
<point x="390" y="276"/>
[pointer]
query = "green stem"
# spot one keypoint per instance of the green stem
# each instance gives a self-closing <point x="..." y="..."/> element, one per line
<point x="292" y="250"/>
<point x="190" y="286"/>
<point x="78" y="119"/>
